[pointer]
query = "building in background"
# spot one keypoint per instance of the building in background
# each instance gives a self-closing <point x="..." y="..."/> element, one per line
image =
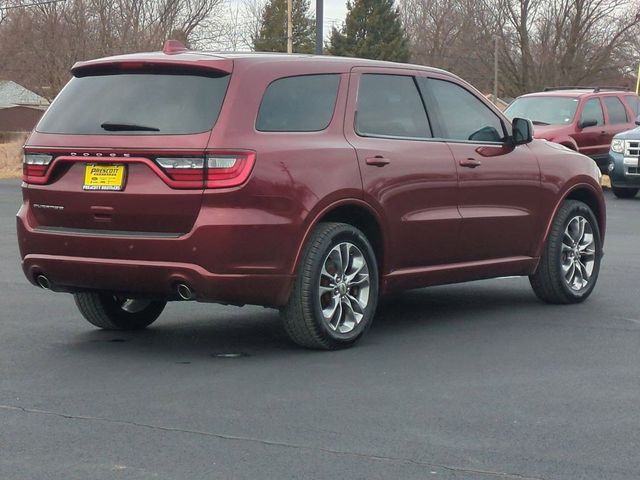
<point x="20" y="108"/>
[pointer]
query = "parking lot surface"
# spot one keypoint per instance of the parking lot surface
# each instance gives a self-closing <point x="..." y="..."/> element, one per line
<point x="469" y="381"/>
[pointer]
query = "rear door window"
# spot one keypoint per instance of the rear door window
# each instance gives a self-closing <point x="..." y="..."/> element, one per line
<point x="298" y="104"/>
<point x="390" y="106"/>
<point x="136" y="104"/>
<point x="634" y="102"/>
<point x="616" y="110"/>
<point x="593" y="111"/>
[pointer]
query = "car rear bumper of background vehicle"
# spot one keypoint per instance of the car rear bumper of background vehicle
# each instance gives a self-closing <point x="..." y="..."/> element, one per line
<point x="155" y="279"/>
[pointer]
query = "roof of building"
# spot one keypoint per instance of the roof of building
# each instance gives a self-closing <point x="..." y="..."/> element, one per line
<point x="13" y="94"/>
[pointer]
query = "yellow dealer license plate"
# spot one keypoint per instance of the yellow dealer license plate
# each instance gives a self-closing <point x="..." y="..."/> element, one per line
<point x="100" y="176"/>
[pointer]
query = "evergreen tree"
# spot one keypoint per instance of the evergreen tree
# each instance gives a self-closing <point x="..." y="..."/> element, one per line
<point x="273" y="30"/>
<point x="372" y="29"/>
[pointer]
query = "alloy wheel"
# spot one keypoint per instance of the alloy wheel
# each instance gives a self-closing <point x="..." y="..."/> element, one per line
<point x="578" y="253"/>
<point x="344" y="287"/>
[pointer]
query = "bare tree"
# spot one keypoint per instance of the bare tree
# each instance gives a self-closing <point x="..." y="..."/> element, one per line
<point x="570" y="42"/>
<point x="449" y="34"/>
<point x="542" y="42"/>
<point x="62" y="33"/>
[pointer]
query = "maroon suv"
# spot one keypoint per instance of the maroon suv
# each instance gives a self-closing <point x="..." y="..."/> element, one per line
<point x="309" y="184"/>
<point x="584" y="119"/>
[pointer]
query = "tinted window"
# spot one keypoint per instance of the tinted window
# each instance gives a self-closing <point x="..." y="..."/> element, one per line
<point x="390" y="106"/>
<point x="298" y="104"/>
<point x="634" y="102"/>
<point x="462" y="115"/>
<point x="592" y="111"/>
<point x="163" y="103"/>
<point x="615" y="109"/>
<point x="545" y="110"/>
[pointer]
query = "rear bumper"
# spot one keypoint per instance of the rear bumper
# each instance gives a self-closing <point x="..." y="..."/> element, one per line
<point x="156" y="279"/>
<point x="155" y="266"/>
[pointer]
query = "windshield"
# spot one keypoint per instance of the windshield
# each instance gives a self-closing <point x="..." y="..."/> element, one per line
<point x="544" y="110"/>
<point x="136" y="104"/>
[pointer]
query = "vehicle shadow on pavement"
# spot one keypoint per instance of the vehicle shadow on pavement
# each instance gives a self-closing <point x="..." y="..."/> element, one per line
<point x="251" y="331"/>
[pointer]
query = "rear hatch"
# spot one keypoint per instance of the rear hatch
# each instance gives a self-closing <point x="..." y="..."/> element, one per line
<point x="122" y="150"/>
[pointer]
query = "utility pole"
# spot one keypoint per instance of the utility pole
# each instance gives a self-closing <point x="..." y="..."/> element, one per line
<point x="319" y="24"/>
<point x="495" y="70"/>
<point x="289" y="26"/>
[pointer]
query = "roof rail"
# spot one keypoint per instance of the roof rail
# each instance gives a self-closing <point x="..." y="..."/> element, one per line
<point x="595" y="89"/>
<point x="624" y="89"/>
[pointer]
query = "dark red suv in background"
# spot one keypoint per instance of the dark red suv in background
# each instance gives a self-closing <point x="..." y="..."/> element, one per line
<point x="584" y="119"/>
<point x="310" y="184"/>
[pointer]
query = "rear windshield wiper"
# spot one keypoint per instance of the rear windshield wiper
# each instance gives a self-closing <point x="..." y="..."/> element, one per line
<point x="127" y="127"/>
<point x="538" y="122"/>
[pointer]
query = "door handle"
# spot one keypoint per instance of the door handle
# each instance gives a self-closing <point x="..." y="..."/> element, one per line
<point x="470" y="163"/>
<point x="378" y="161"/>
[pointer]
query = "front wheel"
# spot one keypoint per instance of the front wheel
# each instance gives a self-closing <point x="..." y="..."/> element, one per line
<point x="335" y="294"/>
<point x="111" y="312"/>
<point x="570" y="262"/>
<point x="624" y="192"/>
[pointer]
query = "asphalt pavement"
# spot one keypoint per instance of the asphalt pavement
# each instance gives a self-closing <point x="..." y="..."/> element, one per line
<point x="470" y="381"/>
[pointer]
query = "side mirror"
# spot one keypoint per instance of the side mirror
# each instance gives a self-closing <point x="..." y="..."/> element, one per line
<point x="638" y="120"/>
<point x="522" y="131"/>
<point x="587" y="123"/>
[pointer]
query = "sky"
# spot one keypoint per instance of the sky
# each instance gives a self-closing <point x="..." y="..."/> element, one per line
<point x="334" y="13"/>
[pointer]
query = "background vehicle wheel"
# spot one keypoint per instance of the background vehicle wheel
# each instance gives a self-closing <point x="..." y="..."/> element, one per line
<point x="111" y="312"/>
<point x="335" y="294"/>
<point x="624" y="192"/>
<point x="570" y="262"/>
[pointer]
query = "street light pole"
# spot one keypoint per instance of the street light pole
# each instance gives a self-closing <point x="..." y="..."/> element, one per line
<point x="319" y="22"/>
<point x="289" y="26"/>
<point x="495" y="70"/>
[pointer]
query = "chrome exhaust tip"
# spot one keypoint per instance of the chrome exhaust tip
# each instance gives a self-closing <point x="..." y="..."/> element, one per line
<point x="185" y="292"/>
<point x="43" y="282"/>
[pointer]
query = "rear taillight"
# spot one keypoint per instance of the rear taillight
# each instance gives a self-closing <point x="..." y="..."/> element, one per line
<point x="229" y="169"/>
<point x="34" y="167"/>
<point x="188" y="172"/>
<point x="215" y="170"/>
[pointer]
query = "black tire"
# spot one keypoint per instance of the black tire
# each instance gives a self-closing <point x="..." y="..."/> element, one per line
<point x="303" y="316"/>
<point x="624" y="192"/>
<point x="549" y="282"/>
<point x="110" y="312"/>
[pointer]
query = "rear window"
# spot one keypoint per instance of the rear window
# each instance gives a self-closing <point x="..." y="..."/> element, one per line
<point x="298" y="104"/>
<point x="634" y="103"/>
<point x="617" y="112"/>
<point x="136" y="104"/>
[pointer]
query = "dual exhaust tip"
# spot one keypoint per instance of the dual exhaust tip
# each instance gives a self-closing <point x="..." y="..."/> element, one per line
<point x="184" y="291"/>
<point x="43" y="282"/>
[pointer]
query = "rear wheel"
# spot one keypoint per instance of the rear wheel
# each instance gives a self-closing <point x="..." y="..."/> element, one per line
<point x="624" y="192"/>
<point x="570" y="263"/>
<point x="111" y="312"/>
<point x="335" y="293"/>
